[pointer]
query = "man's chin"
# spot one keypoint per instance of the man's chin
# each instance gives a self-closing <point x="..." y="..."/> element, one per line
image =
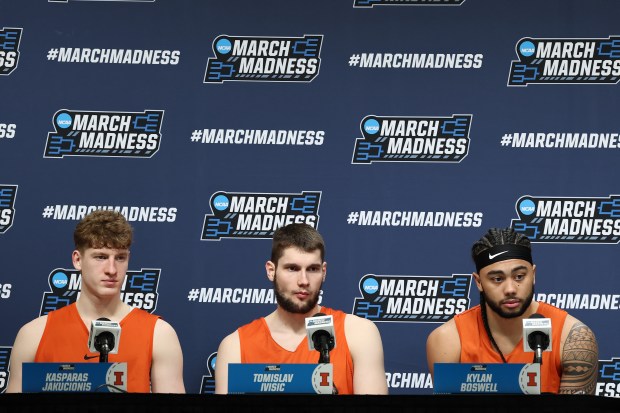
<point x="515" y="314"/>
<point x="507" y="313"/>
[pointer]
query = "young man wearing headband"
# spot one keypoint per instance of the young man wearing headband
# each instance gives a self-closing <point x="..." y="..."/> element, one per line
<point x="492" y="331"/>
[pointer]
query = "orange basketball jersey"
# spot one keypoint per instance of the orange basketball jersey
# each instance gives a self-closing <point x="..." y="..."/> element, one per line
<point x="65" y="339"/>
<point x="476" y="346"/>
<point x="257" y="346"/>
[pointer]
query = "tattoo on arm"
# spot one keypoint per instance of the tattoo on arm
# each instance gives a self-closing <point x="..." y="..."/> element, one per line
<point x="579" y="361"/>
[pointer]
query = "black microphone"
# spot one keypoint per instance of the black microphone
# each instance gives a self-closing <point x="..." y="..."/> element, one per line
<point x="321" y="337"/>
<point x="536" y="335"/>
<point x="104" y="337"/>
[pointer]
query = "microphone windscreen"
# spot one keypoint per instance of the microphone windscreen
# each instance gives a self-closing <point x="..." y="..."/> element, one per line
<point x="104" y="326"/>
<point x="535" y="326"/>
<point x="319" y="325"/>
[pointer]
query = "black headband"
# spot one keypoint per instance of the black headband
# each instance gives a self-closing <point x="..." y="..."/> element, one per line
<point x="501" y="253"/>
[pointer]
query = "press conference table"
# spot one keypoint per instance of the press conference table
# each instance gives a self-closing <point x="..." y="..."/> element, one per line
<point x="190" y="403"/>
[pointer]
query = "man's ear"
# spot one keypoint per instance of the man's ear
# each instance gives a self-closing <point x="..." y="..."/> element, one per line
<point x="477" y="280"/>
<point x="270" y="267"/>
<point x="76" y="258"/>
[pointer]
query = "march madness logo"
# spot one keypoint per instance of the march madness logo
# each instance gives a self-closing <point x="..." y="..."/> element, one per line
<point x="7" y="206"/>
<point x="5" y="357"/>
<point x="372" y="3"/>
<point x="413" y="299"/>
<point x="576" y="220"/>
<point x="139" y="289"/>
<point x="9" y="49"/>
<point x="116" y="134"/>
<point x="608" y="382"/>
<point x="264" y="59"/>
<point x="558" y="61"/>
<point x="207" y="385"/>
<point x="258" y="215"/>
<point x="413" y="139"/>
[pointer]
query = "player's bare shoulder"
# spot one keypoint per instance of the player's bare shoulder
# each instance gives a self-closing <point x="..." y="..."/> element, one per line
<point x="31" y="332"/>
<point x="443" y="345"/>
<point x="354" y="324"/>
<point x="230" y="346"/>
<point x="445" y="332"/>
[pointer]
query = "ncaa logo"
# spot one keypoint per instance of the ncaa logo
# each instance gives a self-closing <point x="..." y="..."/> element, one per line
<point x="527" y="49"/>
<point x="60" y="280"/>
<point x="370" y="285"/>
<point x="371" y="126"/>
<point x="527" y="207"/>
<point x="223" y="46"/>
<point x="221" y="202"/>
<point x="64" y="120"/>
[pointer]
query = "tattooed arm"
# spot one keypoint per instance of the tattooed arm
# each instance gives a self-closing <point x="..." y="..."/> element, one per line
<point x="579" y="359"/>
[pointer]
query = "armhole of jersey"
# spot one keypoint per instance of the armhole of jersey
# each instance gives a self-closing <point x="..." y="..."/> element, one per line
<point x="43" y="338"/>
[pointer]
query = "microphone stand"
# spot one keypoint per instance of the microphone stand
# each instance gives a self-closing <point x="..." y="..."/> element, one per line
<point x="538" y="355"/>
<point x="326" y="345"/>
<point x="103" y="355"/>
<point x="104" y="343"/>
<point x="539" y="342"/>
<point x="324" y="355"/>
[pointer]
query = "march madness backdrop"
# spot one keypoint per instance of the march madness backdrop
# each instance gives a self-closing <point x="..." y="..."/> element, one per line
<point x="402" y="130"/>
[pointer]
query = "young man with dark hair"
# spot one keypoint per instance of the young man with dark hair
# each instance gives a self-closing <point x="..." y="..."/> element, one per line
<point x="149" y="345"/>
<point x="492" y="331"/>
<point x="297" y="270"/>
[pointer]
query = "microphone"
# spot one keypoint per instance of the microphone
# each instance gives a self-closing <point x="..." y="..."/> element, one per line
<point x="537" y="335"/>
<point x="321" y="337"/>
<point x="104" y="338"/>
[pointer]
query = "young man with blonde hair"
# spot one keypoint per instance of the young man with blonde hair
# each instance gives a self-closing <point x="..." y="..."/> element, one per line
<point x="149" y="345"/>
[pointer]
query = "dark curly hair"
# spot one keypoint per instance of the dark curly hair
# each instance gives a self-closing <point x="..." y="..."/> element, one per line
<point x="499" y="236"/>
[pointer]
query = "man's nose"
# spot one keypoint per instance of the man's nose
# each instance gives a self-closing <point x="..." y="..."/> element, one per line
<point x="303" y="278"/>
<point x="111" y="266"/>
<point x="510" y="286"/>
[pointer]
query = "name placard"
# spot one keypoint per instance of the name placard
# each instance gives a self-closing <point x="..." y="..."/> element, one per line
<point x="74" y="377"/>
<point x="499" y="378"/>
<point x="246" y="378"/>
